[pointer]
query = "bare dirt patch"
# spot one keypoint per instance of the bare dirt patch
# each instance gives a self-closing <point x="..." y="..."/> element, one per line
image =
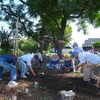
<point x="50" y="83"/>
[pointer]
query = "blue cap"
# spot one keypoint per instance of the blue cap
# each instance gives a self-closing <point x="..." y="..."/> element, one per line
<point x="75" y="44"/>
<point x="73" y="53"/>
<point x="36" y="57"/>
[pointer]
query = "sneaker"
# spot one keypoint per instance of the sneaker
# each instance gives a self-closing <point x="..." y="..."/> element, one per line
<point x="71" y="70"/>
<point x="0" y="79"/>
<point x="12" y="83"/>
<point x="86" y="81"/>
<point x="27" y="72"/>
<point x="93" y="81"/>
<point x="23" y="76"/>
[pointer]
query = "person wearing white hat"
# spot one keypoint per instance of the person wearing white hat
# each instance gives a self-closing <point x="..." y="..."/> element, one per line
<point x="54" y="62"/>
<point x="68" y="64"/>
<point x="40" y="58"/>
<point x="77" y="49"/>
<point x="88" y="61"/>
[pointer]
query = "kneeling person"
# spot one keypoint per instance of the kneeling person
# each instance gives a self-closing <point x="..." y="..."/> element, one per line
<point x="54" y="62"/>
<point x="68" y="64"/>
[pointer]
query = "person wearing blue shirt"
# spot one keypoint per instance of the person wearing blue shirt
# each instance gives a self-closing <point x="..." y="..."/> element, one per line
<point x="54" y="62"/>
<point x="9" y="62"/>
<point x="68" y="64"/>
<point x="10" y="59"/>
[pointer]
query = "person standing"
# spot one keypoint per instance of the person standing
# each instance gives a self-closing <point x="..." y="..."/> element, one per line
<point x="9" y="62"/>
<point x="77" y="49"/>
<point x="25" y="62"/>
<point x="88" y="61"/>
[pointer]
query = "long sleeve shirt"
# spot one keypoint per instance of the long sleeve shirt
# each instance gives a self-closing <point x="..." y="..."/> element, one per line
<point x="68" y="63"/>
<point x="55" y="62"/>
<point x="78" y="49"/>
<point x="10" y="59"/>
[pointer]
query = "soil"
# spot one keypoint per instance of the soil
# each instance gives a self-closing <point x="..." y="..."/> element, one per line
<point x="50" y="82"/>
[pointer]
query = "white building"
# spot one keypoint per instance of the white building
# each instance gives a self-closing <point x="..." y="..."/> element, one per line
<point x="90" y="41"/>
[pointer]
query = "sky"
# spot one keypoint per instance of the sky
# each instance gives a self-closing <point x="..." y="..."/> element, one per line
<point x="7" y="1"/>
<point x="79" y="37"/>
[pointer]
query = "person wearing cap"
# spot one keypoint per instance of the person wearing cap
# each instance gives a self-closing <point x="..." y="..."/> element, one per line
<point x="88" y="61"/>
<point x="40" y="58"/>
<point x="77" y="49"/>
<point x="68" y="64"/>
<point x="54" y="62"/>
<point x="9" y="62"/>
<point x="25" y="62"/>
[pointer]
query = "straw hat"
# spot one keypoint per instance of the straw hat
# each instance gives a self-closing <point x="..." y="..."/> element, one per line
<point x="66" y="57"/>
<point x="54" y="57"/>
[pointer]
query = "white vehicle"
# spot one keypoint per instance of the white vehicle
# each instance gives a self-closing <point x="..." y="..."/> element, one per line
<point x="67" y="50"/>
<point x="88" y="49"/>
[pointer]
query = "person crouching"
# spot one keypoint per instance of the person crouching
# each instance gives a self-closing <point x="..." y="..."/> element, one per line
<point x="68" y="64"/>
<point x="54" y="62"/>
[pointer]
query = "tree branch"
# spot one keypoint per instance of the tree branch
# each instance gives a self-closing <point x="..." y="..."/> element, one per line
<point x="23" y="1"/>
<point x="82" y="11"/>
<point x="11" y="14"/>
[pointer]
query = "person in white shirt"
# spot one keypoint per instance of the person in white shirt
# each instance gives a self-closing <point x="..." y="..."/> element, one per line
<point x="88" y="61"/>
<point x="77" y="49"/>
<point x="25" y="62"/>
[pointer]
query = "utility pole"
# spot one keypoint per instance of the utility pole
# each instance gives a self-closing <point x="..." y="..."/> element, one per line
<point x="16" y="38"/>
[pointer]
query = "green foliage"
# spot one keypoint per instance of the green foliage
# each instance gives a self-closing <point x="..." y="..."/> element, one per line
<point x="21" y="43"/>
<point x="55" y="15"/>
<point x="46" y="52"/>
<point x="82" y="26"/>
<point x="47" y="45"/>
<point x="4" y="35"/>
<point x="28" y="45"/>
<point x="96" y="44"/>
<point x="67" y="35"/>
<point x="19" y="52"/>
<point x="8" y="52"/>
<point x="1" y="52"/>
<point x="97" y="21"/>
<point x="6" y="47"/>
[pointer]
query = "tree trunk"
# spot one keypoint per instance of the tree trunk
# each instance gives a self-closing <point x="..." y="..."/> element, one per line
<point x="60" y="46"/>
<point x="61" y="37"/>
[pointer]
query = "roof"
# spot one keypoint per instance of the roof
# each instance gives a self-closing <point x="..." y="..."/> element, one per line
<point x="90" y="41"/>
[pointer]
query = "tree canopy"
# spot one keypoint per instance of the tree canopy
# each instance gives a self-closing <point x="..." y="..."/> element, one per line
<point x="96" y="44"/>
<point x="56" y="16"/>
<point x="62" y="12"/>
